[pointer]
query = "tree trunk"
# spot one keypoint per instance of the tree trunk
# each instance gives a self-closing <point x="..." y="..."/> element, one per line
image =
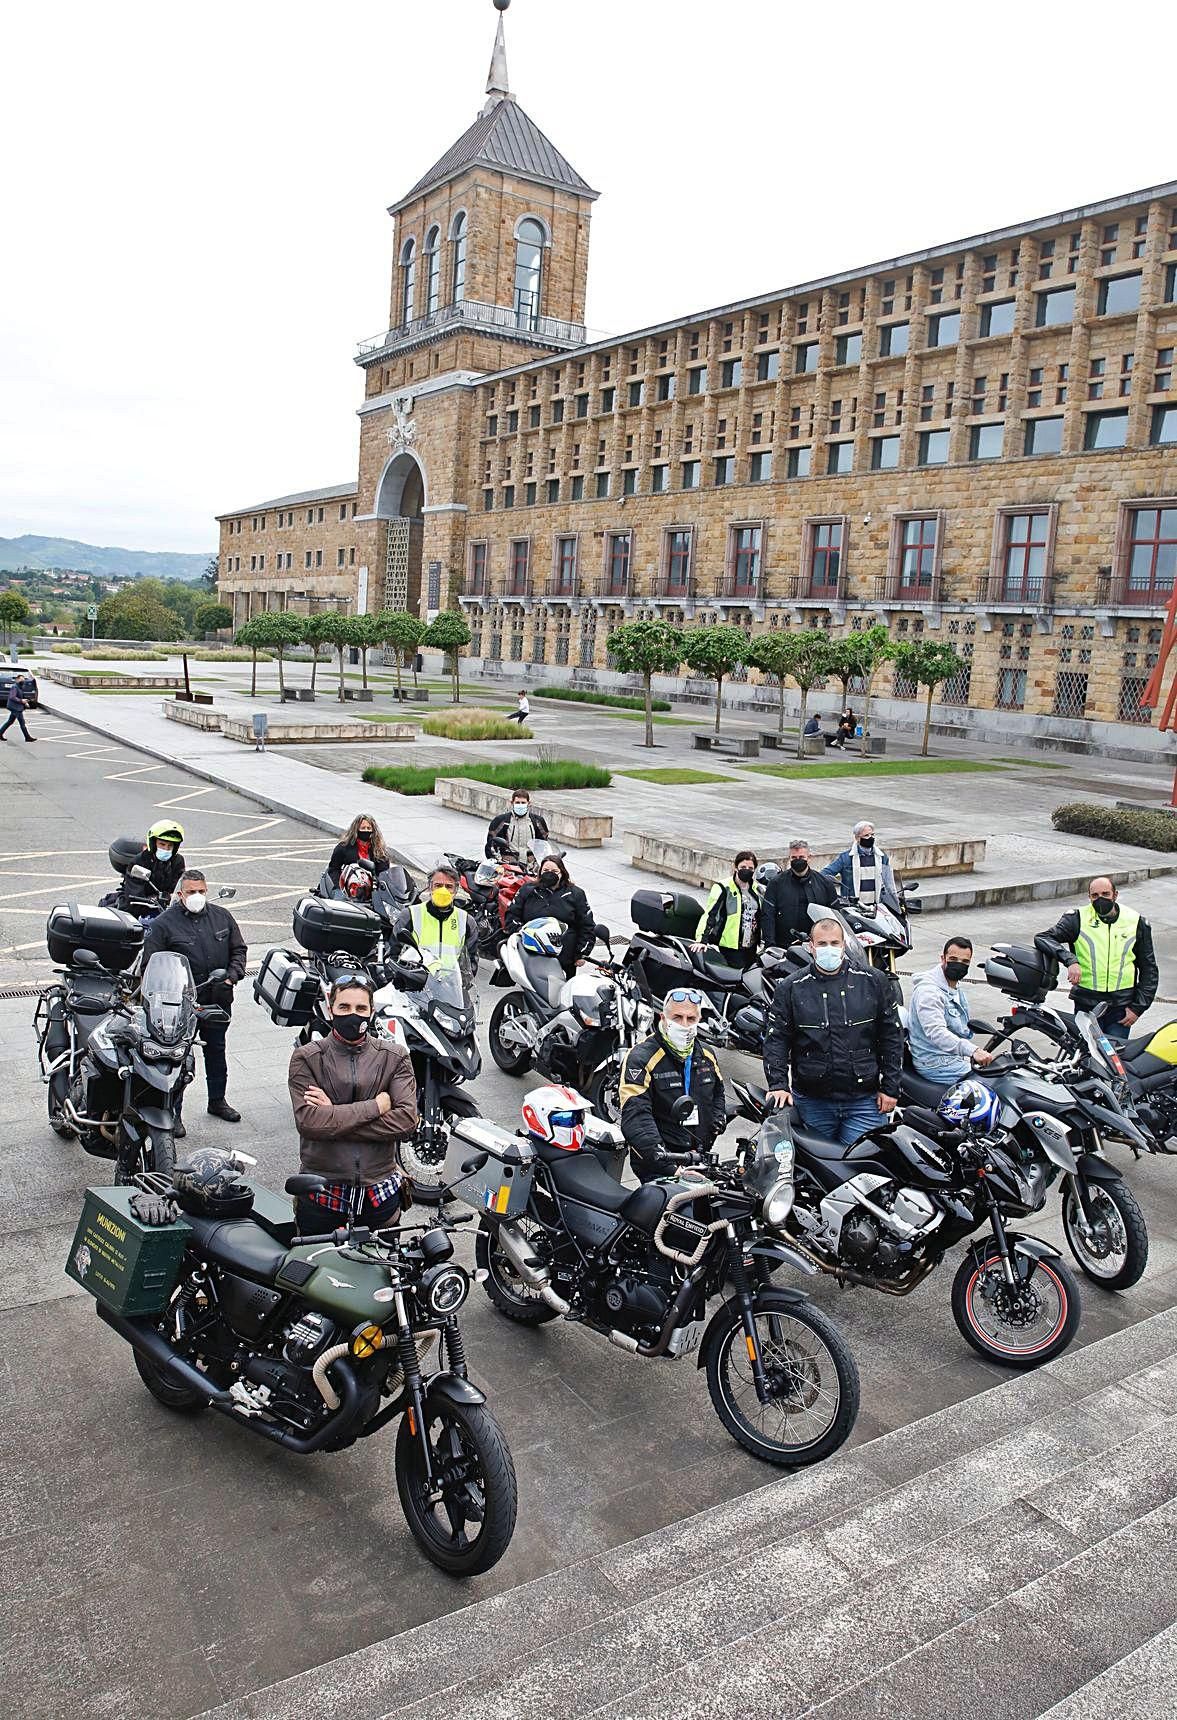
<point x="253" y="677"/>
<point x="342" y="649"/>
<point x="780" y="721"/>
<point x="457" y="678"/>
<point x="927" y="720"/>
<point x="396" y="652"/>
<point x="281" y="677"/>
<point x="364" y="667"/>
<point x="314" y="665"/>
<point x="718" y="700"/>
<point x="647" y="687"/>
<point x="866" y="697"/>
<point x="801" y="721"/>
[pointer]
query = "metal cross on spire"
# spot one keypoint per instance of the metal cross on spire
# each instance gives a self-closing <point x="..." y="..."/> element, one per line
<point x="497" y="87"/>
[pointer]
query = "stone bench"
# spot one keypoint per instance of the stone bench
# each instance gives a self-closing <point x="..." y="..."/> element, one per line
<point x="690" y="861"/>
<point x="740" y="746"/>
<point x="86" y="681"/>
<point x="568" y="823"/>
<point x="871" y="746"/>
<point x="298" y="695"/>
<point x="294" y="733"/>
<point x="196" y="716"/>
<point x="363" y="695"/>
<point x="812" y="746"/>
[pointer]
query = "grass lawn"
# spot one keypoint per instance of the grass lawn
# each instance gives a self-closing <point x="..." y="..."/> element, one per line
<point x="877" y="767"/>
<point x="640" y="717"/>
<point x="669" y="774"/>
<point x="419" y="779"/>
<point x="385" y="717"/>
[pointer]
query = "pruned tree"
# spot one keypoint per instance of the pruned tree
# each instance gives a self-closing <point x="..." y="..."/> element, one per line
<point x="314" y="634"/>
<point x="774" y="654"/>
<point x="714" y="652"/>
<point x="212" y="617"/>
<point x="927" y="662"/>
<point x="14" y="612"/>
<point x="875" y="646"/>
<point x="368" y="636"/>
<point x="249" y="637"/>
<point x="448" y="632"/>
<point x="340" y="631"/>
<point x="276" y="630"/>
<point x="403" y="632"/>
<point x="646" y="648"/>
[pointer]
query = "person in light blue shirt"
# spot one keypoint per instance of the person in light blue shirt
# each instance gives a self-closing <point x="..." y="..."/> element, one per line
<point x="942" y="1047"/>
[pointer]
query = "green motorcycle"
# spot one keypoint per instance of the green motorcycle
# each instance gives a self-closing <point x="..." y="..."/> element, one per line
<point x="312" y="1343"/>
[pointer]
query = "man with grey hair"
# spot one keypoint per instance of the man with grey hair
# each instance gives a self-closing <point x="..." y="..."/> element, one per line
<point x="785" y="916"/>
<point x="210" y="940"/>
<point x="864" y="872"/>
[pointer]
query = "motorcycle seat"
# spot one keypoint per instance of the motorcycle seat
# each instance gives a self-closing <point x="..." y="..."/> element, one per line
<point x="239" y="1244"/>
<point x="716" y="971"/>
<point x="922" y="1091"/>
<point x="1133" y="1048"/>
<point x="819" y="1147"/>
<point x="91" y="993"/>
<point x="582" y="1176"/>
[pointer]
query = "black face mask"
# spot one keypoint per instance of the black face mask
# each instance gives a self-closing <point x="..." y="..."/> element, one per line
<point x="745" y="874"/>
<point x="550" y="880"/>
<point x="352" y="1028"/>
<point x="799" y="866"/>
<point x="866" y="841"/>
<point x="365" y="835"/>
<point x="1104" y="907"/>
<point x="955" y="970"/>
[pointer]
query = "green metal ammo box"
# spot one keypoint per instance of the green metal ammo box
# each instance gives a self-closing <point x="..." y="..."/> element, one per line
<point x="130" y="1266"/>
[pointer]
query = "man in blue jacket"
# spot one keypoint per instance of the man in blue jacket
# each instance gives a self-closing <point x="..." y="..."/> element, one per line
<point x="938" y="1032"/>
<point x="864" y="872"/>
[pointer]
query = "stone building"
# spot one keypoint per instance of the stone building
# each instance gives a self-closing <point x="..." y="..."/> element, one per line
<point x="977" y="442"/>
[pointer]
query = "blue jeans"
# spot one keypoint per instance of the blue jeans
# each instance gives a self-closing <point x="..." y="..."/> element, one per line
<point x="1115" y="1029"/>
<point x="842" y="1120"/>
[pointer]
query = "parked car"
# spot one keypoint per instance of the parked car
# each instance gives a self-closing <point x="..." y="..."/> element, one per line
<point x="28" y="685"/>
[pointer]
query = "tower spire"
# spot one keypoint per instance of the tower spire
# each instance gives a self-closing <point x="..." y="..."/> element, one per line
<point x="497" y="87"/>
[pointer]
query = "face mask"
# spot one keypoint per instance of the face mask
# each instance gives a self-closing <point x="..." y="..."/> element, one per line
<point x="350" y="1027"/>
<point x="550" y="880"/>
<point x="799" y="866"/>
<point x="196" y="903"/>
<point x="162" y="852"/>
<point x="520" y="808"/>
<point x="441" y="897"/>
<point x="365" y="835"/>
<point x="866" y="841"/>
<point x="1104" y="907"/>
<point x="745" y="874"/>
<point x="955" y="970"/>
<point x="828" y="957"/>
<point x="678" y="1037"/>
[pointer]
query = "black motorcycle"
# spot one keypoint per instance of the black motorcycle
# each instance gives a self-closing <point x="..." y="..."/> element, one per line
<point x="313" y="1342"/>
<point x="558" y="1236"/>
<point x="884" y="1212"/>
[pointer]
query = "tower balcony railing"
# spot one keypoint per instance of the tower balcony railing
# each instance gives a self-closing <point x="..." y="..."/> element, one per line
<point x="474" y="314"/>
<point x="1118" y="591"/>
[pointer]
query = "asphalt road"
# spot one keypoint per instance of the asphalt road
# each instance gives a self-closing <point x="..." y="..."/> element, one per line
<point x="154" y="1565"/>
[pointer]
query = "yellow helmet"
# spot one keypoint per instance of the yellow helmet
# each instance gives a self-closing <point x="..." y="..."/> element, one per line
<point x="167" y="830"/>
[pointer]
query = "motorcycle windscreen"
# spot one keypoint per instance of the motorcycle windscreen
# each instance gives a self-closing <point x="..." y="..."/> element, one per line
<point x="168" y="995"/>
<point x="447" y="985"/>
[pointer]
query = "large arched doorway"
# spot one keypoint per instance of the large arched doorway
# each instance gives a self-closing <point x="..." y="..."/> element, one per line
<point x="400" y="502"/>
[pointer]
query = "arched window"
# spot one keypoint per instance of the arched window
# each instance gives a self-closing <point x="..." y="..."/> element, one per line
<point x="529" y="256"/>
<point x="408" y="280"/>
<point x="432" y="270"/>
<point x="458" y="258"/>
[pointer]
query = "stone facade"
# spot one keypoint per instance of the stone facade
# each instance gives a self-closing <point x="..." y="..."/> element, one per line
<point x="978" y="442"/>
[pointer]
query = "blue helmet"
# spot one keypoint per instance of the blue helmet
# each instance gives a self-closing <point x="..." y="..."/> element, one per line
<point x="970" y="1102"/>
<point x="543" y="937"/>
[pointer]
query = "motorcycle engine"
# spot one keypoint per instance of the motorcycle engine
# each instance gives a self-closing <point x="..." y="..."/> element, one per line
<point x="631" y="1303"/>
<point x="860" y="1238"/>
<point x="305" y="1338"/>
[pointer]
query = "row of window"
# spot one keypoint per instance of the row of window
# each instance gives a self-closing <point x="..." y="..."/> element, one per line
<point x="285" y="517"/>
<point x="1021" y="566"/>
<point x="531" y="240"/>
<point x="283" y="561"/>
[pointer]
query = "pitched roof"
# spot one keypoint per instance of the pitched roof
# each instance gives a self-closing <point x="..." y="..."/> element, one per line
<point x="329" y="493"/>
<point x="504" y="139"/>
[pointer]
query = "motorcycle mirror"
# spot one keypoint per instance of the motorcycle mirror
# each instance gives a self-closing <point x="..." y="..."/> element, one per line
<point x="910" y="888"/>
<point x="682" y="1108"/>
<point x="227" y="895"/>
<point x="140" y="872"/>
<point x="603" y="933"/>
<point x="216" y="975"/>
<point x="976" y="1025"/>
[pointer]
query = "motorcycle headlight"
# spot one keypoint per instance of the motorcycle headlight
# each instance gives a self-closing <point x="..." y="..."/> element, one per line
<point x="448" y="1023"/>
<point x="444" y="1289"/>
<point x="778" y="1203"/>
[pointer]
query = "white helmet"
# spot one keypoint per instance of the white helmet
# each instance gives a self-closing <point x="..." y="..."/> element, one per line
<point x="356" y="882"/>
<point x="556" y="1115"/>
<point x="543" y="937"/>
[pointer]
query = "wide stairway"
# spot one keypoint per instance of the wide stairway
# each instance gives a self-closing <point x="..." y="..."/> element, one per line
<point x="1012" y="1556"/>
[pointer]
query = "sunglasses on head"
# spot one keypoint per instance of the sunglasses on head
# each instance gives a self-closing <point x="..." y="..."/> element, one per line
<point x="349" y="982"/>
<point x="686" y="994"/>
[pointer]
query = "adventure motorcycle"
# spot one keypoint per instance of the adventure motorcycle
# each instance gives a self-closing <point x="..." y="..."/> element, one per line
<point x="574" y="1031"/>
<point x="136" y="894"/>
<point x="884" y="1212"/>
<point x="313" y="1342"/>
<point x="386" y="893"/>
<point x="558" y="1236"/>
<point x="881" y="933"/>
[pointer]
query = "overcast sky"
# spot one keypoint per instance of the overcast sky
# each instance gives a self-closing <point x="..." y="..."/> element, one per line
<point x="193" y="197"/>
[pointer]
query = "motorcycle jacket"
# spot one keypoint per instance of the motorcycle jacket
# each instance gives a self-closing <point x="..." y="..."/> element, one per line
<point x="507" y="834"/>
<point x="349" y="1138"/>
<point x="566" y="903"/>
<point x="209" y="941"/>
<point x="1117" y="962"/>
<point x="655" y="1076"/>
<point x="785" y="916"/>
<point x="165" y="875"/>
<point x="834" y="1035"/>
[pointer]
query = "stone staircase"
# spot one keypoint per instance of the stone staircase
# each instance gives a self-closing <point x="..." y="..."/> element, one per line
<point x="1009" y="1557"/>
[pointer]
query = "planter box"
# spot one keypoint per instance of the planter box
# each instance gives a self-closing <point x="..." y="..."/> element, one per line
<point x="578" y="827"/>
<point x="690" y="862"/>
<point x="281" y="732"/>
<point x="86" y="683"/>
<point x="199" y="716"/>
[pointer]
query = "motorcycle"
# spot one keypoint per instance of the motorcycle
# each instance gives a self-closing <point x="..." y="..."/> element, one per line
<point x="314" y="1342"/>
<point x="1149" y="1062"/>
<point x="386" y="893"/>
<point x="136" y="894"/>
<point x="558" y="1237"/>
<point x="881" y="933"/>
<point x="574" y="1031"/>
<point x="884" y="1212"/>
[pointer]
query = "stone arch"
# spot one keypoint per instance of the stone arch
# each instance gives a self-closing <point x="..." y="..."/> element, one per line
<point x="400" y="504"/>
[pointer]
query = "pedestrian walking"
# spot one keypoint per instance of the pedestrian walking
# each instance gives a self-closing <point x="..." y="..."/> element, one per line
<point x="16" y="702"/>
<point x="522" y="711"/>
<point x="1108" y="949"/>
<point x="938" y="1031"/>
<point x="785" y="917"/>
<point x="210" y="940"/>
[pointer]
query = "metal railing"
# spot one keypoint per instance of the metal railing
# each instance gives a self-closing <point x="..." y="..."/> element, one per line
<point x="1035" y="592"/>
<point x="671" y="587"/>
<point x="800" y="588"/>
<point x="561" y="585"/>
<point x="736" y="587"/>
<point x="473" y="313"/>
<point x="892" y="588"/>
<point x="610" y="585"/>
<point x="1115" y="591"/>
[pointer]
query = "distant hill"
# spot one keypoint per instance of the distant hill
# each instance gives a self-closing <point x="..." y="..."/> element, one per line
<point x="47" y="552"/>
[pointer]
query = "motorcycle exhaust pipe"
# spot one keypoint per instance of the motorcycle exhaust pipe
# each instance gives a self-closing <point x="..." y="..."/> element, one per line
<point x="534" y="1274"/>
<point x="149" y="1343"/>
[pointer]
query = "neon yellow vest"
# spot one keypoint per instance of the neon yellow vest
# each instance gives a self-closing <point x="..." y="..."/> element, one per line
<point x="1106" y="950"/>
<point x="729" y="936"/>
<point x="440" y="942"/>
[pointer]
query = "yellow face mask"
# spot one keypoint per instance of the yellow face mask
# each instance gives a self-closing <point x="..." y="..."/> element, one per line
<point x="441" y="897"/>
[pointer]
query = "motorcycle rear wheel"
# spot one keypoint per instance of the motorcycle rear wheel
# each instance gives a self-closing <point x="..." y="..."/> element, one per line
<point x="1021" y="1332"/>
<point x="511" y="1059"/>
<point x="812" y="1372"/>
<point x="469" y="1527"/>
<point x="1117" y="1254"/>
<point x="513" y="1299"/>
<point x="173" y="1397"/>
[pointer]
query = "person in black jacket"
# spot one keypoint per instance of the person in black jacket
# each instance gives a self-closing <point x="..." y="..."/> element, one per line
<point x="1110" y="958"/>
<point x="209" y="938"/>
<point x="361" y="841"/>
<point x="787" y="901"/>
<point x="657" y="1074"/>
<point x="162" y="858"/>
<point x="834" y="1045"/>
<point x="514" y="831"/>
<point x="554" y="893"/>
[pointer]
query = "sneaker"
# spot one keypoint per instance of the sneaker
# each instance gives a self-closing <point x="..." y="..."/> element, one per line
<point x="222" y="1109"/>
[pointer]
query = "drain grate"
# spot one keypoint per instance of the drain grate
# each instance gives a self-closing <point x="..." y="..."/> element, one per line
<point x="11" y="991"/>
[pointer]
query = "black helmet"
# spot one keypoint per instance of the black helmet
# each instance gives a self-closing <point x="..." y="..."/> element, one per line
<point x="123" y="852"/>
<point x="208" y="1184"/>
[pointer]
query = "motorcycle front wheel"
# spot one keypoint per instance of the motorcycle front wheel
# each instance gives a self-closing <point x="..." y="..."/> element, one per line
<point x="603" y="1090"/>
<point x="812" y="1377"/>
<point x="512" y="1059"/>
<point x="422" y="1155"/>
<point x="465" y="1521"/>
<point x="1020" y="1326"/>
<point x="1113" y="1250"/>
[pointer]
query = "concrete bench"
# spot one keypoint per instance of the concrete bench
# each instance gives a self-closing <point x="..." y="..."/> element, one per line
<point x="200" y="716"/>
<point x="569" y="824"/>
<point x="871" y="746"/>
<point x="407" y="693"/>
<point x="283" y="732"/>
<point x="739" y="746"/>
<point x="364" y="695"/>
<point x="298" y="695"/>
<point x="812" y="746"/>
<point x="691" y="861"/>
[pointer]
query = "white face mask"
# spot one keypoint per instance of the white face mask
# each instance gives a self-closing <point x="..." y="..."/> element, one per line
<point x="828" y="957"/>
<point x="162" y="852"/>
<point x="520" y="808"/>
<point x="196" y="902"/>
<point x="680" y="1037"/>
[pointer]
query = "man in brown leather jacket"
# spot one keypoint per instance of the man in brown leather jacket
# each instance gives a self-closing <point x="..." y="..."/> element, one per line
<point x="354" y="1098"/>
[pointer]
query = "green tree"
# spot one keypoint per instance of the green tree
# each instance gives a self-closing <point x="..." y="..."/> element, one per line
<point x="646" y="648"/>
<point x="314" y="635"/>
<point x="275" y="630"/>
<point x="211" y="617"/>
<point x="774" y="654"/>
<point x="134" y="614"/>
<point x="448" y="632"/>
<point x="404" y="632"/>
<point x="812" y="662"/>
<point x="872" y="649"/>
<point x="14" y="612"/>
<point x="367" y="638"/>
<point x="340" y="631"/>
<point x="249" y="637"/>
<point x="927" y="662"/>
<point x="714" y="652"/>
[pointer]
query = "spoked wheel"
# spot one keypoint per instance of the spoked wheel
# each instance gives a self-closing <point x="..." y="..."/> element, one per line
<point x="812" y="1377"/>
<point x="1113" y="1249"/>
<point x="511" y="1057"/>
<point x="1020" y="1325"/>
<point x="465" y="1520"/>
<point x="510" y="1295"/>
<point x="422" y="1155"/>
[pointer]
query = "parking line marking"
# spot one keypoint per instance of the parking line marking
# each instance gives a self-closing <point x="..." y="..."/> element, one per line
<point x="52" y="889"/>
<point x="236" y="835"/>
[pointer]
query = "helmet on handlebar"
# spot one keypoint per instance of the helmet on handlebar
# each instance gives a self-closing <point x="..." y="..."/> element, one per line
<point x="970" y="1102"/>
<point x="766" y="872"/>
<point x="542" y="937"/>
<point x="556" y="1115"/>
<point x="208" y="1184"/>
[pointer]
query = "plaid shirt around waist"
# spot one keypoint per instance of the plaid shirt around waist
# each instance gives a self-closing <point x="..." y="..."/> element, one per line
<point x="337" y="1196"/>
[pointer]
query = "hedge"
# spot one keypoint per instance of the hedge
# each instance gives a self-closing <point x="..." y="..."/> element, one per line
<point x="621" y="701"/>
<point x="475" y="725"/>
<point x="1118" y="824"/>
<point x="559" y="773"/>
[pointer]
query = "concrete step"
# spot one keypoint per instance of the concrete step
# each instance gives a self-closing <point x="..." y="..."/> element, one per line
<point x="1141" y="1684"/>
<point x="885" y="1547"/>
